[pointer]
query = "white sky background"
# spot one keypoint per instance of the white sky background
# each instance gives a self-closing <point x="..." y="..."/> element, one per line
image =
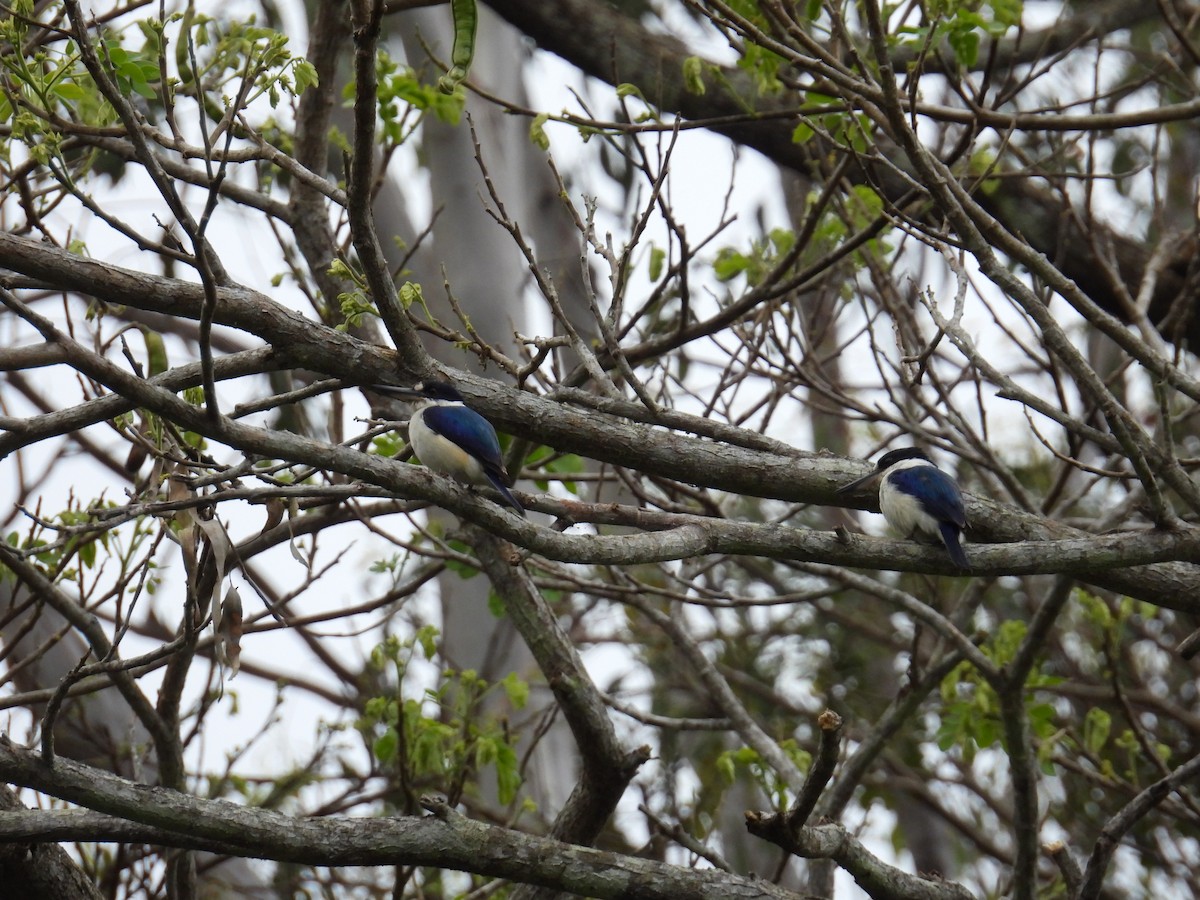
<point x="700" y="172"/>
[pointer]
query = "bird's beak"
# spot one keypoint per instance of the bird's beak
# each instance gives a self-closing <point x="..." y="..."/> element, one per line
<point x="859" y="482"/>
<point x="391" y="390"/>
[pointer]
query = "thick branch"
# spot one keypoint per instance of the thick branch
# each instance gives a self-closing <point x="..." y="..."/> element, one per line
<point x="800" y="477"/>
<point x="607" y="766"/>
<point x="39" y="871"/>
<point x="367" y="15"/>
<point x="446" y="839"/>
<point x="819" y="774"/>
<point x="879" y="880"/>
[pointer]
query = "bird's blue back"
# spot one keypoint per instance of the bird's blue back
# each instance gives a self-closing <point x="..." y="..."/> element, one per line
<point x="934" y="490"/>
<point x="469" y="430"/>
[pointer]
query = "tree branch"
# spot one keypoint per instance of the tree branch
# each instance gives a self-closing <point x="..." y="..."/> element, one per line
<point x="802" y="477"/>
<point x="127" y="811"/>
<point x="606" y="766"/>
<point x="1116" y="827"/>
<point x="36" y="870"/>
<point x="880" y="881"/>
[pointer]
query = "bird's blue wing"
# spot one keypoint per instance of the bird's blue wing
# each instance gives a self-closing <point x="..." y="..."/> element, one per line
<point x="469" y="430"/>
<point x="935" y="490"/>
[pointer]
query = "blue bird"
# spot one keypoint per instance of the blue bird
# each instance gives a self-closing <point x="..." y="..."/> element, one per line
<point x="919" y="499"/>
<point x="450" y="437"/>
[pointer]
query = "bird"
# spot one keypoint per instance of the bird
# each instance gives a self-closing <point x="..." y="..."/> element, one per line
<point x="919" y="499"/>
<point x="451" y="438"/>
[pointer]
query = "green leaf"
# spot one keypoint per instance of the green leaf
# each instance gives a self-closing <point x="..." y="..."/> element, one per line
<point x="729" y="264"/>
<point x="386" y="445"/>
<point x="156" y="352"/>
<point x="410" y="293"/>
<point x="569" y="463"/>
<point x="693" y="75"/>
<point x="537" y="131"/>
<point x="339" y="269"/>
<point x="458" y="567"/>
<point x="965" y="44"/>
<point x="508" y="773"/>
<point x="1097" y="726"/>
<point x="306" y="76"/>
<point x="1006" y="13"/>
<point x="802" y="133"/>
<point x="763" y="65"/>
<point x="726" y="769"/>
<point x="449" y="107"/>
<point x="658" y="256"/>
<point x="428" y="749"/>
<point x="485" y="751"/>
<point x="516" y="689"/>
<point x="426" y="636"/>
<point x="68" y="90"/>
<point x="386" y="745"/>
<point x="783" y="239"/>
<point x="1041" y="720"/>
<point x="354" y="305"/>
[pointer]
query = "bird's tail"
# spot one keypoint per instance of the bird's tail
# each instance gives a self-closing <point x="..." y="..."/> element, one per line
<point x="952" y="538"/>
<point x="498" y="484"/>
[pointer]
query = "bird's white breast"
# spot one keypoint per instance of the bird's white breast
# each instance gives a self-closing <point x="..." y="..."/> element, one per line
<point x="441" y="454"/>
<point x="904" y="511"/>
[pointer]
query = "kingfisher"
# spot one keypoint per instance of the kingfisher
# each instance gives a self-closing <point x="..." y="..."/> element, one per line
<point x="919" y="499"/>
<point x="451" y="438"/>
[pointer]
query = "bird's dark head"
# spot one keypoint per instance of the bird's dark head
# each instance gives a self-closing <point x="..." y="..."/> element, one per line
<point x="438" y="390"/>
<point x="886" y="461"/>
<point x="892" y="457"/>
